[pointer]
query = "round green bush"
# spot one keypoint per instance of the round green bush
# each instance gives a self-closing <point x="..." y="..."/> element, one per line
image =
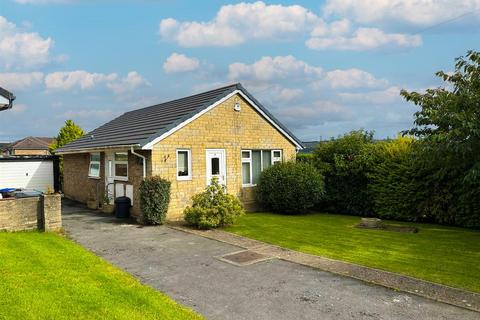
<point x="290" y="187"/>
<point x="154" y="199"/>
<point x="213" y="208"/>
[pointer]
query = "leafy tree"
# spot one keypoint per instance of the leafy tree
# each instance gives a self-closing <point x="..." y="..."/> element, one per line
<point x="448" y="122"/>
<point x="68" y="133"/>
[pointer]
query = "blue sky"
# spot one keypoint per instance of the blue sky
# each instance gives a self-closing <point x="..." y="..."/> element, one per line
<point x="323" y="68"/>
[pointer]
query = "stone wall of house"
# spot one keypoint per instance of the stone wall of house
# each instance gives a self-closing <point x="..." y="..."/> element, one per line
<point x="77" y="185"/>
<point x="135" y="177"/>
<point x="38" y="213"/>
<point x="220" y="128"/>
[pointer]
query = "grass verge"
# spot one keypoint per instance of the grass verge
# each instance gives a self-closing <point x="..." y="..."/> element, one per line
<point x="441" y="254"/>
<point x="45" y="276"/>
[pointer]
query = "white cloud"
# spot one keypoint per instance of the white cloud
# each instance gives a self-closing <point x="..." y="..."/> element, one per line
<point x="180" y="63"/>
<point x="288" y="69"/>
<point x="132" y="81"/>
<point x="20" y="81"/>
<point x="77" y="80"/>
<point x="288" y="94"/>
<point x="387" y="96"/>
<point x="83" y="80"/>
<point x="234" y="24"/>
<point x="353" y="78"/>
<point x="270" y="68"/>
<point x="364" y="39"/>
<point x="412" y="12"/>
<point x="19" y="49"/>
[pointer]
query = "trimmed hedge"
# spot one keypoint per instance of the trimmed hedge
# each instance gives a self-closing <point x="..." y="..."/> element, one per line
<point x="213" y="208"/>
<point x="154" y="199"/>
<point x="346" y="163"/>
<point x="290" y="187"/>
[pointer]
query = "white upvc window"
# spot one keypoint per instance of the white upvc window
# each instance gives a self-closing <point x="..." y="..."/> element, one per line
<point x="255" y="161"/>
<point x="184" y="164"/>
<point x="246" y="167"/>
<point x="120" y="166"/>
<point x="276" y="156"/>
<point x="94" y="167"/>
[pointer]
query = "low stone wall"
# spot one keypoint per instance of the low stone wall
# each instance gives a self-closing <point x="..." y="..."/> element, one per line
<point x="39" y="213"/>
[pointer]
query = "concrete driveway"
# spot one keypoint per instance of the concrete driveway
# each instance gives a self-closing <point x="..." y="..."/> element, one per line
<point x="186" y="268"/>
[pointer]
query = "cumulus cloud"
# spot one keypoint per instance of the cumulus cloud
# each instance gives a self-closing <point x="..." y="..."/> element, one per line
<point x="412" y="12"/>
<point x="180" y="63"/>
<point x="132" y="81"/>
<point x="289" y="69"/>
<point x="363" y="39"/>
<point x="83" y="80"/>
<point x="236" y="23"/>
<point x="386" y="96"/>
<point x="353" y="78"/>
<point x="269" y="68"/>
<point x="20" y="81"/>
<point x="77" y="80"/>
<point x="20" y="49"/>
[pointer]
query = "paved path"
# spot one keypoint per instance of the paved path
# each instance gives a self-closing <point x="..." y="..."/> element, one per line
<point x="185" y="267"/>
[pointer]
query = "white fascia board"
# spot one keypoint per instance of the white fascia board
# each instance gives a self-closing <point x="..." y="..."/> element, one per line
<point x="149" y="146"/>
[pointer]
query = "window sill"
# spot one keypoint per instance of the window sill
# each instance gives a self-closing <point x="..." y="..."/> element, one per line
<point x="248" y="185"/>
<point x="120" y="178"/>
<point x="184" y="178"/>
<point x="93" y="177"/>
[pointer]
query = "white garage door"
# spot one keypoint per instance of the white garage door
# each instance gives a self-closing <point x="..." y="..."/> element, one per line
<point x="36" y="174"/>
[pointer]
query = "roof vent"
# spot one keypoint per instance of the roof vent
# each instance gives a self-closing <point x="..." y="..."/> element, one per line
<point x="92" y="137"/>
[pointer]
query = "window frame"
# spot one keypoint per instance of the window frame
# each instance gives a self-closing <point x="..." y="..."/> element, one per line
<point x="115" y="162"/>
<point x="249" y="160"/>
<point x="94" y="162"/>
<point x="276" y="159"/>
<point x="189" y="163"/>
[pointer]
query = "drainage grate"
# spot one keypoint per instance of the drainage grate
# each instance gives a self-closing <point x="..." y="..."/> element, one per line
<point x="244" y="258"/>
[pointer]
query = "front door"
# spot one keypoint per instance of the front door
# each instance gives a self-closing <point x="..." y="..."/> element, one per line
<point x="109" y="180"/>
<point x="216" y="166"/>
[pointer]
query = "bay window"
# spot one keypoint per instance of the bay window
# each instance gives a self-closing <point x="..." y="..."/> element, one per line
<point x="255" y="161"/>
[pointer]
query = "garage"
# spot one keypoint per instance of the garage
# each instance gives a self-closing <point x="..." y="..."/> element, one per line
<point x="29" y="172"/>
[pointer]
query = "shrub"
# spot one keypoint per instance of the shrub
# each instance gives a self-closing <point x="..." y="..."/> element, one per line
<point x="154" y="199"/>
<point x="346" y="163"/>
<point x="213" y="208"/>
<point x="305" y="157"/>
<point x="290" y="187"/>
<point x="394" y="182"/>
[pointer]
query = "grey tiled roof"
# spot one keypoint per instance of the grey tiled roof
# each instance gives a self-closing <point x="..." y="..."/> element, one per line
<point x="139" y="127"/>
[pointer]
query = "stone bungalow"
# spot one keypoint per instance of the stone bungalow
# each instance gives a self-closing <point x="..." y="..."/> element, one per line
<point x="224" y="133"/>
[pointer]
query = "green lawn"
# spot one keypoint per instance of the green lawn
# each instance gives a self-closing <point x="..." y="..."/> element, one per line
<point x="440" y="254"/>
<point x="45" y="276"/>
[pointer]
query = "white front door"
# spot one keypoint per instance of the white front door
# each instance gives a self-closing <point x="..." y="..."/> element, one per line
<point x="109" y="180"/>
<point x="216" y="165"/>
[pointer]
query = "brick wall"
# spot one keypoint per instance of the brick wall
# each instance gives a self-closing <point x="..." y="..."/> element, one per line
<point x="220" y="128"/>
<point x="78" y="186"/>
<point x="42" y="213"/>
